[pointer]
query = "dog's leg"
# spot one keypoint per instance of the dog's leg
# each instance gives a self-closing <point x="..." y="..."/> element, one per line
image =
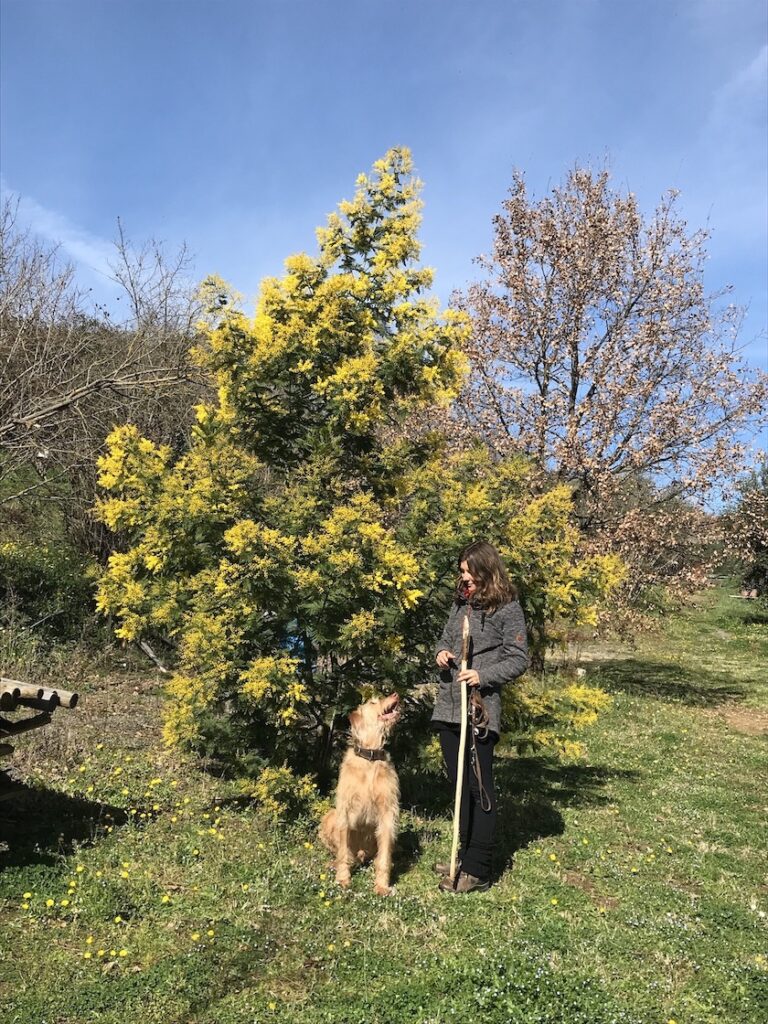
<point x="344" y="855"/>
<point x="386" y="830"/>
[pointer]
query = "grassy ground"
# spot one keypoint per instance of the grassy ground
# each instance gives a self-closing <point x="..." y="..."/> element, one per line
<point x="631" y="885"/>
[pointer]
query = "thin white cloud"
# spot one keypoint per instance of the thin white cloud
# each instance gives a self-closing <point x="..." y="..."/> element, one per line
<point x="80" y="245"/>
<point x="743" y="96"/>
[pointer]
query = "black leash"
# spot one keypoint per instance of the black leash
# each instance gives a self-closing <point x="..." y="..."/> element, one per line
<point x="478" y="723"/>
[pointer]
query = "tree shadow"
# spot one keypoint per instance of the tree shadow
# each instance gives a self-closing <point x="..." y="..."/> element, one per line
<point x="407" y="850"/>
<point x="530" y="791"/>
<point x="699" y="687"/>
<point x="38" y="826"/>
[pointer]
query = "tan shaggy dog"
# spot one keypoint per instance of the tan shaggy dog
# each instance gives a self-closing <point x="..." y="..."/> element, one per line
<point x="363" y="825"/>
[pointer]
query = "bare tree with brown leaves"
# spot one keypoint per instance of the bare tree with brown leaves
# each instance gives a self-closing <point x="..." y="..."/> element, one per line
<point x="598" y="352"/>
<point x="69" y="373"/>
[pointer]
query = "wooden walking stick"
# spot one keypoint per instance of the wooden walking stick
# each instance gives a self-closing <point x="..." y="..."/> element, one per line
<point x="462" y="749"/>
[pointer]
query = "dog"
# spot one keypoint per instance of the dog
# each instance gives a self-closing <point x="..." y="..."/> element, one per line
<point x="363" y="824"/>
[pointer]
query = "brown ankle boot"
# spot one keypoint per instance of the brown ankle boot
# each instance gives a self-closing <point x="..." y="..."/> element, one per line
<point x="465" y="883"/>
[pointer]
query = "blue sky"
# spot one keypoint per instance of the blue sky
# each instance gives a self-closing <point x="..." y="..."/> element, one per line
<point x="237" y="126"/>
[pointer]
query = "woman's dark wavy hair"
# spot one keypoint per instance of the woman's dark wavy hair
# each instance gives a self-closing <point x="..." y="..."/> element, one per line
<point x="493" y="585"/>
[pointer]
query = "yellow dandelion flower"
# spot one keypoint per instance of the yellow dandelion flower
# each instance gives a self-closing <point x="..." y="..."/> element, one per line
<point x="195" y="936"/>
<point x="210" y="933"/>
<point x="79" y="869"/>
<point x="27" y="896"/>
<point x="123" y="952"/>
<point x="347" y="943"/>
<point x="165" y="898"/>
<point x="89" y="940"/>
<point x="553" y="901"/>
<point x="65" y="903"/>
<point x="331" y="947"/>
<point x="113" y="952"/>
<point x="553" y="856"/>
<point x="272" y="1006"/>
<point x="100" y="952"/>
<point x="118" y="919"/>
<point x="87" y="954"/>
<point x="99" y="746"/>
<point x="25" y="906"/>
<point x="49" y="903"/>
<point x="124" y="874"/>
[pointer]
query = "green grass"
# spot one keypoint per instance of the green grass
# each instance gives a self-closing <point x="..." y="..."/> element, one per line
<point x="631" y="884"/>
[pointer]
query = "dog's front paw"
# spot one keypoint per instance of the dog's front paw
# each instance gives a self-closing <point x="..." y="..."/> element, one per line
<point x="382" y="890"/>
<point x="343" y="881"/>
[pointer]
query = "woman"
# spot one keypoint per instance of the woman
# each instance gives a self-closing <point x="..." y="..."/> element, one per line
<point x="498" y="653"/>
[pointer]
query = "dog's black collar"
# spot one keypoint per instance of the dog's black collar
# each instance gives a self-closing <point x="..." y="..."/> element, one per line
<point x="371" y="755"/>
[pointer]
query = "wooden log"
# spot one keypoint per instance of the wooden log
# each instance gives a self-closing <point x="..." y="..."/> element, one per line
<point x="23" y="689"/>
<point x="23" y="725"/>
<point x="8" y="700"/>
<point x="65" y="698"/>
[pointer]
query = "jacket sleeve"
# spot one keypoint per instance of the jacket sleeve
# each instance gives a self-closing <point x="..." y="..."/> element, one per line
<point x="514" y="658"/>
<point x="445" y="643"/>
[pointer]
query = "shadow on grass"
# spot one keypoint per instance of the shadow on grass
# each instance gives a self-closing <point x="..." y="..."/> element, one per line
<point x="37" y="826"/>
<point x="642" y="678"/>
<point x="530" y="791"/>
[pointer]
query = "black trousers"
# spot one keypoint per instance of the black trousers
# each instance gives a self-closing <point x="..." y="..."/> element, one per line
<point x="477" y="827"/>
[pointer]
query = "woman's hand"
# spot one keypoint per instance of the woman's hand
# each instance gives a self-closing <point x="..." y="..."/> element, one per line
<point x="468" y="676"/>
<point x="443" y="658"/>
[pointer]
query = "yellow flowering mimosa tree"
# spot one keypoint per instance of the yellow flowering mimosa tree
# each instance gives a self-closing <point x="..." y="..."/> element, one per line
<point x="302" y="547"/>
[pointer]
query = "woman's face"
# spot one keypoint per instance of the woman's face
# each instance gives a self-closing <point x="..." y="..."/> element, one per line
<point x="467" y="579"/>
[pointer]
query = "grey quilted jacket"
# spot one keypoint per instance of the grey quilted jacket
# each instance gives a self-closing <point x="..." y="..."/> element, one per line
<point x="498" y="651"/>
